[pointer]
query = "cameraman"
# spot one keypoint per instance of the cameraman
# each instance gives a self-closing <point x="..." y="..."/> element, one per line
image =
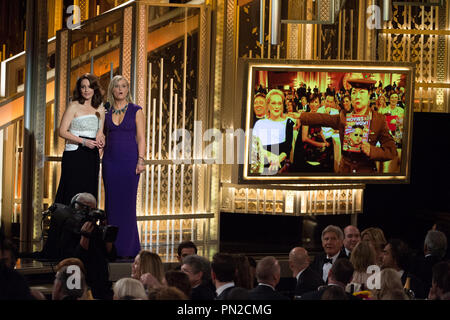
<point x="93" y="251"/>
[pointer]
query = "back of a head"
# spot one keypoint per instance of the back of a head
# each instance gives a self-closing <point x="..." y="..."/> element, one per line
<point x="393" y="295"/>
<point x="363" y="256"/>
<point x="334" y="293"/>
<point x="441" y="276"/>
<point x="342" y="271"/>
<point x="166" y="293"/>
<point x="65" y="276"/>
<point x="298" y="256"/>
<point x="71" y="261"/>
<point x="128" y="289"/>
<point x="179" y="280"/>
<point x="8" y="247"/>
<point x="151" y="263"/>
<point x="223" y="267"/>
<point x="390" y="281"/>
<point x="266" y="269"/>
<point x="13" y="285"/>
<point x="199" y="263"/>
<point x="436" y="243"/>
<point x="243" y="276"/>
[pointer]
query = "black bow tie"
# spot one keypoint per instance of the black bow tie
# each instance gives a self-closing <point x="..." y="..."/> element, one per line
<point x="326" y="260"/>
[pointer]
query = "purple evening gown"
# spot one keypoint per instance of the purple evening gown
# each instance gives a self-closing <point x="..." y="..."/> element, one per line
<point x="120" y="180"/>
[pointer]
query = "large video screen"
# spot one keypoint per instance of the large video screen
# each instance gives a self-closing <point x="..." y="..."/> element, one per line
<point x="327" y="121"/>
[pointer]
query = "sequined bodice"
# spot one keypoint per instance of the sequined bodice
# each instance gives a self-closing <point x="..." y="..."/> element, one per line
<point x="84" y="126"/>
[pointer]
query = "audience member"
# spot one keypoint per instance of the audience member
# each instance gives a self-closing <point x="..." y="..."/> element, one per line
<point x="79" y="263"/>
<point x="198" y="270"/>
<point x="363" y="256"/>
<point x="8" y="254"/>
<point x="376" y="236"/>
<point x="306" y="278"/>
<point x="148" y="268"/>
<point x="268" y="273"/>
<point x="222" y="274"/>
<point x="166" y="293"/>
<point x="252" y="263"/>
<point x="180" y="280"/>
<point x="396" y="255"/>
<point x="434" y="250"/>
<point x="129" y="289"/>
<point x="334" y="293"/>
<point x="243" y="276"/>
<point x="12" y="284"/>
<point x="340" y="275"/>
<point x="332" y="239"/>
<point x="352" y="237"/>
<point x="185" y="249"/>
<point x="62" y="286"/>
<point x="391" y="287"/>
<point x="440" y="284"/>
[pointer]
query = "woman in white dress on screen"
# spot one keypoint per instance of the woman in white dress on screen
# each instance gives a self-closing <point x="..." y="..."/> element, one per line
<point x="82" y="128"/>
<point x="274" y="134"/>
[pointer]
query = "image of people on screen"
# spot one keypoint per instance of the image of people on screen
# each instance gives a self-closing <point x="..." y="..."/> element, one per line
<point x="349" y="127"/>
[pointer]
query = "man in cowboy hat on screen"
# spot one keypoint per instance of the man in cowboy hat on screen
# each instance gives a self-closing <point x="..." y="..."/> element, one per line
<point x="362" y="161"/>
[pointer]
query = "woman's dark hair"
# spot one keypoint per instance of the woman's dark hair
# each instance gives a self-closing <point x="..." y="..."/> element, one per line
<point x="178" y="280"/>
<point x="97" y="98"/>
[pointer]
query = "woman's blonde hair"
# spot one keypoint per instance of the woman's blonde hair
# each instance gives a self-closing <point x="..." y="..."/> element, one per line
<point x="376" y="236"/>
<point x="112" y="84"/>
<point x="363" y="256"/>
<point x="390" y="282"/>
<point x="129" y="289"/>
<point x="274" y="92"/>
<point x="151" y="263"/>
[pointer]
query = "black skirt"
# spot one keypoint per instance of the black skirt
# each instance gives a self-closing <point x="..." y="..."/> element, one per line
<point x="79" y="173"/>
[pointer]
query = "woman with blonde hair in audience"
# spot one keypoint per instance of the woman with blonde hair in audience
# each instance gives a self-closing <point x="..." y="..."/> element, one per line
<point x="391" y="287"/>
<point x="378" y="240"/>
<point x="363" y="256"/>
<point x="148" y="268"/>
<point x="129" y="289"/>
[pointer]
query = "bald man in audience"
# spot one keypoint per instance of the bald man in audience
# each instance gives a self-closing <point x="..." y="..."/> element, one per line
<point x="307" y="278"/>
<point x="351" y="238"/>
<point x="268" y="273"/>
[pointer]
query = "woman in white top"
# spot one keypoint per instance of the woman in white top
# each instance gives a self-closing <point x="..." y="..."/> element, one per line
<point x="274" y="134"/>
<point x="82" y="128"/>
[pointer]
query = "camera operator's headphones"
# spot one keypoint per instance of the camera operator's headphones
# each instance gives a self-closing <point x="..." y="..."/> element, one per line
<point x="75" y="201"/>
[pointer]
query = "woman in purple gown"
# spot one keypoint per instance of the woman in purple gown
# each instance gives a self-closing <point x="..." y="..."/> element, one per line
<point x="123" y="161"/>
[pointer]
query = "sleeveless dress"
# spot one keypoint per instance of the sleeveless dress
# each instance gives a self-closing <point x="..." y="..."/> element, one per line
<point x="80" y="165"/>
<point x="120" y="180"/>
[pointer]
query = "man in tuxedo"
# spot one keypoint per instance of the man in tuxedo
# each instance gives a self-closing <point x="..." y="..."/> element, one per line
<point x="306" y="278"/>
<point x="351" y="238"/>
<point x="434" y="249"/>
<point x="340" y="274"/>
<point x="223" y="270"/>
<point x="268" y="273"/>
<point x="396" y="256"/>
<point x="198" y="270"/>
<point x="332" y="240"/>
